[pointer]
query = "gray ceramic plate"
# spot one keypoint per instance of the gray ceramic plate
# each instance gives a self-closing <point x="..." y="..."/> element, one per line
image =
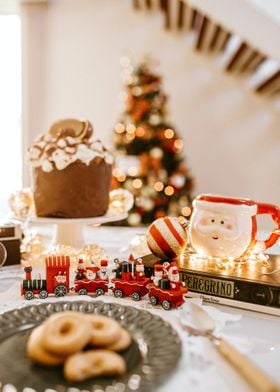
<point x="152" y="356"/>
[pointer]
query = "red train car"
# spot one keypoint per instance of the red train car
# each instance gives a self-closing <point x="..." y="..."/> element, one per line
<point x="131" y="283"/>
<point x="165" y="296"/>
<point x="133" y="288"/>
<point x="86" y="286"/>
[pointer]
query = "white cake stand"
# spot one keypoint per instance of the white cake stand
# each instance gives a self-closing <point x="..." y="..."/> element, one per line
<point x="70" y="231"/>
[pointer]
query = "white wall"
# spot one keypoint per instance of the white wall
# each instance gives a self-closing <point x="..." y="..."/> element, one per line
<point x="232" y="138"/>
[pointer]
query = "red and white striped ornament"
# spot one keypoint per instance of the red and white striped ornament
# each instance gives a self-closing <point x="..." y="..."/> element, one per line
<point x="166" y="237"/>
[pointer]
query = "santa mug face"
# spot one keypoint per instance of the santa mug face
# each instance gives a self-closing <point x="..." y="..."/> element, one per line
<point x="226" y="227"/>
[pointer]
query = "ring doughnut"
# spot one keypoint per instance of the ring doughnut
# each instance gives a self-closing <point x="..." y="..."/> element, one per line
<point x="104" y="330"/>
<point x="37" y="353"/>
<point x="66" y="333"/>
<point x="93" y="363"/>
<point x="122" y="342"/>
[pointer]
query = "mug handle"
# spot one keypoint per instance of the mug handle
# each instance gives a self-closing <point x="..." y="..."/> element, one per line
<point x="274" y="211"/>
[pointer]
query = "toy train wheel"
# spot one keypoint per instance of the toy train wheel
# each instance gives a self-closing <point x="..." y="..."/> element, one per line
<point x="60" y="290"/>
<point x="43" y="294"/>
<point x="82" y="292"/>
<point x="99" y="292"/>
<point x="136" y="296"/>
<point x="118" y="293"/>
<point x="29" y="295"/>
<point x="153" y="300"/>
<point x="166" y="304"/>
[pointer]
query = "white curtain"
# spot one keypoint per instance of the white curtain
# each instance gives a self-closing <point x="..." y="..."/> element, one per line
<point x="33" y="21"/>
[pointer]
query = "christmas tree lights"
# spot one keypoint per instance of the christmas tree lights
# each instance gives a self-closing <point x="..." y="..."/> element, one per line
<point x="149" y="159"/>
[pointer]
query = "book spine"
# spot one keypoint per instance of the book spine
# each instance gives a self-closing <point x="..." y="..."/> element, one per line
<point x="237" y="304"/>
<point x="225" y="287"/>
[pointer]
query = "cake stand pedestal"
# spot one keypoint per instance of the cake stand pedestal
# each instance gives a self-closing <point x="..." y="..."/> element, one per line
<point x="70" y="231"/>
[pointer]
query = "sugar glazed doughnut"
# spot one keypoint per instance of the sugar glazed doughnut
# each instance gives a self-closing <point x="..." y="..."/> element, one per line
<point x="66" y="333"/>
<point x="93" y="363"/>
<point x="104" y="330"/>
<point x="37" y="353"/>
<point x="122" y="343"/>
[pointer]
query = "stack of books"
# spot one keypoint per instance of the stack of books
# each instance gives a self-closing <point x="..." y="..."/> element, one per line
<point x="252" y="285"/>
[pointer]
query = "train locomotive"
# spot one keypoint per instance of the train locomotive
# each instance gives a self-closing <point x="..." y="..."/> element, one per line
<point x="56" y="282"/>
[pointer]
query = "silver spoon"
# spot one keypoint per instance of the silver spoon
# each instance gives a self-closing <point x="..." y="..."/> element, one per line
<point x="205" y="326"/>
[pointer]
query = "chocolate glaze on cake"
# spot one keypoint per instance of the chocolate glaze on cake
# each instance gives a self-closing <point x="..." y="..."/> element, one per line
<point x="71" y="175"/>
<point x="78" y="191"/>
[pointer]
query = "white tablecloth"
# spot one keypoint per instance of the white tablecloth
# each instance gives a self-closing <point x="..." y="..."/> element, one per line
<point x="201" y="368"/>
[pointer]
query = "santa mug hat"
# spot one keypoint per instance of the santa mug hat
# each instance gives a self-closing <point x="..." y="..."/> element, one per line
<point x="226" y="205"/>
<point x="104" y="263"/>
<point x="175" y="271"/>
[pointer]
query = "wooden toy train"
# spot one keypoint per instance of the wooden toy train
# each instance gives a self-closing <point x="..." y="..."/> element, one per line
<point x="129" y="279"/>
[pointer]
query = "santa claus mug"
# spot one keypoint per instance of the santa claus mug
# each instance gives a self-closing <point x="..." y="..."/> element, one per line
<point x="226" y="227"/>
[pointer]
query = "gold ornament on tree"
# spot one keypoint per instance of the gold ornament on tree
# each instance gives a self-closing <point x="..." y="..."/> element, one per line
<point x="64" y="250"/>
<point x="92" y="253"/>
<point x="139" y="246"/>
<point x="21" y="203"/>
<point x="32" y="250"/>
<point x="121" y="201"/>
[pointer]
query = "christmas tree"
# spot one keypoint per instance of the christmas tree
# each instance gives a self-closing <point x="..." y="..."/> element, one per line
<point x="149" y="161"/>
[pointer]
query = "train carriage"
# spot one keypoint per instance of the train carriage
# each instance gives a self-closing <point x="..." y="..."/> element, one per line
<point x="85" y="286"/>
<point x="165" y="296"/>
<point x="134" y="289"/>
